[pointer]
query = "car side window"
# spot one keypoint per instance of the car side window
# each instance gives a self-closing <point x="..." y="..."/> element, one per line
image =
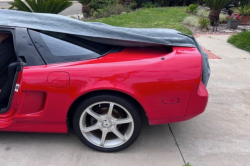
<point x="64" y="48"/>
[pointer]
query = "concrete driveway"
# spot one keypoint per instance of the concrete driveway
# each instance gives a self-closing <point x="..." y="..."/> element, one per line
<point x="155" y="146"/>
<point x="221" y="135"/>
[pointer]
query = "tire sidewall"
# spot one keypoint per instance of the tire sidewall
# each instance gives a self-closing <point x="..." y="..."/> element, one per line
<point x="126" y="103"/>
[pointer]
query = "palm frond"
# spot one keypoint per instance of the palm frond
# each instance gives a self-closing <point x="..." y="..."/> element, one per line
<point x="59" y="7"/>
<point x="19" y="5"/>
<point x="84" y="2"/>
<point x="41" y="6"/>
<point x="217" y="5"/>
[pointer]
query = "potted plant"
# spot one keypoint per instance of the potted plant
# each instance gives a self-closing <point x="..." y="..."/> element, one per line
<point x="233" y="21"/>
<point x="244" y="10"/>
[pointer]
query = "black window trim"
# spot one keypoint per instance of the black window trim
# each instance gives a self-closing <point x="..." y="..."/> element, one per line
<point x="24" y="43"/>
<point x="46" y="63"/>
<point x="114" y="48"/>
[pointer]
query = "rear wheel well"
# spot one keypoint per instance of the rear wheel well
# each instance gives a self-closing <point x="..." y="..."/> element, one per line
<point x="76" y="103"/>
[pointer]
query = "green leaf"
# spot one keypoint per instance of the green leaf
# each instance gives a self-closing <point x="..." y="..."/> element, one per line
<point x="20" y="5"/>
<point x="217" y="5"/>
<point x="41" y="6"/>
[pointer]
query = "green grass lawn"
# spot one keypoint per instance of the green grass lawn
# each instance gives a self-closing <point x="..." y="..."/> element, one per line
<point x="150" y="18"/>
<point x="241" y="40"/>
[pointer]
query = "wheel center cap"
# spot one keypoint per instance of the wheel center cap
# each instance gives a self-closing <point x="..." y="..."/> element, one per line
<point x="106" y="124"/>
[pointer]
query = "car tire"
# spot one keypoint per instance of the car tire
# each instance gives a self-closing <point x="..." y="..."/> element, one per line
<point x="107" y="123"/>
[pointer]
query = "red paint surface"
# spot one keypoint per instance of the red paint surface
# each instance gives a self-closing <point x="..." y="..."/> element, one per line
<point x="171" y="101"/>
<point x="138" y="72"/>
<point x="32" y="102"/>
<point x="58" y="79"/>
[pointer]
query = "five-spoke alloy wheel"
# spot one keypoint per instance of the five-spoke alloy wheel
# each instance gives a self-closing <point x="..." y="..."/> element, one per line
<point x="107" y="123"/>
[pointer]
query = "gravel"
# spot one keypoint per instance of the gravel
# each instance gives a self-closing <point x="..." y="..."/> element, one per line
<point x="222" y="28"/>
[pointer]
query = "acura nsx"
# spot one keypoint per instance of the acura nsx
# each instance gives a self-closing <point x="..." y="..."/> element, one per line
<point x="98" y="80"/>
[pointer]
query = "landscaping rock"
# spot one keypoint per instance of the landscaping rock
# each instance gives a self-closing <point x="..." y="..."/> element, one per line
<point x="222" y="28"/>
<point x="244" y="27"/>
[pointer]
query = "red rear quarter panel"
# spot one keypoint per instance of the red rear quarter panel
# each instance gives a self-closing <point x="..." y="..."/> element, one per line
<point x="149" y="75"/>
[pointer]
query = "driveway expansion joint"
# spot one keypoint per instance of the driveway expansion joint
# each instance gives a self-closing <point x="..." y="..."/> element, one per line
<point x="176" y="143"/>
<point x="210" y="55"/>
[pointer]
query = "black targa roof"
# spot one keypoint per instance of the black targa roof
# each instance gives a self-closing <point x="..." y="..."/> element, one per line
<point x="103" y="33"/>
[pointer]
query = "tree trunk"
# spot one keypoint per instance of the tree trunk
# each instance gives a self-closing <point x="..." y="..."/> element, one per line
<point x="119" y="2"/>
<point x="214" y="16"/>
<point x="85" y="8"/>
<point x="176" y="3"/>
<point x="184" y="2"/>
<point x="128" y="2"/>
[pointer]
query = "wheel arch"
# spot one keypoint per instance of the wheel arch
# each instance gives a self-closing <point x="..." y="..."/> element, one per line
<point x="75" y="104"/>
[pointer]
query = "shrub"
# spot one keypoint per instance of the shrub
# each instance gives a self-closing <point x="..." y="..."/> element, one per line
<point x="204" y="23"/>
<point x="192" y="8"/>
<point x="149" y="5"/>
<point x="202" y="13"/>
<point x="245" y="2"/>
<point x="133" y="5"/>
<point x="176" y="2"/>
<point x="192" y="21"/>
<point x="83" y="1"/>
<point x="241" y="40"/>
<point x="194" y="2"/>
<point x="140" y="2"/>
<point x="163" y="3"/>
<point x="101" y="4"/>
<point x="100" y="13"/>
<point x="114" y="9"/>
<point x="223" y="18"/>
<point x="187" y="10"/>
<point x="244" y="9"/>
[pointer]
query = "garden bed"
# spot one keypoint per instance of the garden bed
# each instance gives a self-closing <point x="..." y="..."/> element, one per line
<point x="222" y="28"/>
<point x="192" y="22"/>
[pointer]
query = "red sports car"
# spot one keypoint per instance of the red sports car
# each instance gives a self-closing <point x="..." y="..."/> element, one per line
<point x="99" y="88"/>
